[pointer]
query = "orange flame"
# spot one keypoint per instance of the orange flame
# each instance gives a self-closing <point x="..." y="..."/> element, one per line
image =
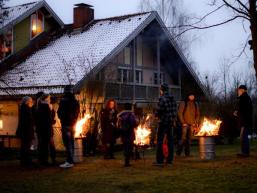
<point x="209" y="128"/>
<point x="142" y="135"/>
<point x="80" y="125"/>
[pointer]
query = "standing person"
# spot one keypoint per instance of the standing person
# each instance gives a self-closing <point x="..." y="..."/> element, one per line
<point x="34" y="111"/>
<point x="44" y="121"/>
<point x="25" y="130"/>
<point x="166" y="113"/>
<point x="189" y="116"/>
<point x="68" y="113"/>
<point x="127" y="123"/>
<point x="244" y="114"/>
<point x="108" y="118"/>
<point x="51" y="142"/>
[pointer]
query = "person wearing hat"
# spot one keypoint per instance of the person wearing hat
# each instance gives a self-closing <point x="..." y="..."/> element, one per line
<point x="166" y="113"/>
<point x="244" y="114"/>
<point x="68" y="113"/>
<point x="189" y="115"/>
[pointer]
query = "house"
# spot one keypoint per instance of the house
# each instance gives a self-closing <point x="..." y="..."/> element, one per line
<point x="125" y="58"/>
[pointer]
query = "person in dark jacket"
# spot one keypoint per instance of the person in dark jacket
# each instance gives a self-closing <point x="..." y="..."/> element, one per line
<point x="108" y="118"/>
<point x="25" y="130"/>
<point x="52" y="148"/>
<point x="44" y="130"/>
<point x="245" y="116"/>
<point x="34" y="112"/>
<point x="166" y="113"/>
<point x="189" y="116"/>
<point x="127" y="123"/>
<point x="68" y="113"/>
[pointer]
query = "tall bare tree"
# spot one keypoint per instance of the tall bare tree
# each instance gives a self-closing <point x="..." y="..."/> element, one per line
<point x="244" y="10"/>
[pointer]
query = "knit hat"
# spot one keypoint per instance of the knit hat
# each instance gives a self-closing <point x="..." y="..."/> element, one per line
<point x="242" y="87"/>
<point x="164" y="87"/>
<point x="68" y="89"/>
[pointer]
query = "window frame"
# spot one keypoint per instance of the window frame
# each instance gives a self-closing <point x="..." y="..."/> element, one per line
<point x="43" y="24"/>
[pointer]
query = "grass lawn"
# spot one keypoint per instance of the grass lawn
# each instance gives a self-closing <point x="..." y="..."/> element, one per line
<point x="226" y="173"/>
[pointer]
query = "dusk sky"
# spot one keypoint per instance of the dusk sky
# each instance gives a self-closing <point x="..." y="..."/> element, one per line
<point x="207" y="51"/>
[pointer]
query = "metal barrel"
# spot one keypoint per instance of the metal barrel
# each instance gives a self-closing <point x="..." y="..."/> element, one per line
<point x="78" y="150"/>
<point x="207" y="148"/>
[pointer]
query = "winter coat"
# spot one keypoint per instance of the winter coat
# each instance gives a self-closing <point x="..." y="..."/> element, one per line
<point x="108" y="125"/>
<point x="189" y="113"/>
<point x="167" y="109"/>
<point x="127" y="119"/>
<point x="44" y="120"/>
<point x="53" y="121"/>
<point x="25" y="129"/>
<point x="245" y="111"/>
<point x="68" y="112"/>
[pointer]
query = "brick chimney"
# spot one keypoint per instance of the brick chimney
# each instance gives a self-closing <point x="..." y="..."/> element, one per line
<point x="83" y="14"/>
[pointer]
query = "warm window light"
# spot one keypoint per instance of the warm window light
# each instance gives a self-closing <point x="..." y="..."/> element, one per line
<point x="1" y="124"/>
<point x="34" y="28"/>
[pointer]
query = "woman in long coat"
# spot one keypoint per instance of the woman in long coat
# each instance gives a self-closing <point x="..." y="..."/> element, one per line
<point x="108" y="118"/>
<point x="25" y="130"/>
<point x="44" y="130"/>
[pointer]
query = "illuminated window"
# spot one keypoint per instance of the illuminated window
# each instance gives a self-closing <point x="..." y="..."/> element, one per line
<point x="1" y="124"/>
<point x="37" y="24"/>
<point x="6" y="44"/>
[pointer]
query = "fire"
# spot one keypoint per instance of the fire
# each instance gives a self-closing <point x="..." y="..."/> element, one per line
<point x="209" y="128"/>
<point x="80" y="125"/>
<point x="142" y="135"/>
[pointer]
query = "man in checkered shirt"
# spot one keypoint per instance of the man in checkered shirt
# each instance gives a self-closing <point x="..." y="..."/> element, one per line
<point x="166" y="113"/>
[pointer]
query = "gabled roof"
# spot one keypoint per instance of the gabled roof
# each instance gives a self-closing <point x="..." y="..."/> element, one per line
<point x="68" y="59"/>
<point x="18" y="13"/>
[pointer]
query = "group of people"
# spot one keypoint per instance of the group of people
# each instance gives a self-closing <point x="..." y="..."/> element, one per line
<point x="40" y="118"/>
<point x="36" y="119"/>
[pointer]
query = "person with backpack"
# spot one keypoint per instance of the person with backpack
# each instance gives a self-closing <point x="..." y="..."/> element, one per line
<point x="127" y="123"/>
<point x="166" y="114"/>
<point x="189" y="116"/>
<point x="68" y="113"/>
<point x="108" y="117"/>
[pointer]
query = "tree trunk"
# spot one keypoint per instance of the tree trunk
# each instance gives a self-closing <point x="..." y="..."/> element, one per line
<point x="253" y="22"/>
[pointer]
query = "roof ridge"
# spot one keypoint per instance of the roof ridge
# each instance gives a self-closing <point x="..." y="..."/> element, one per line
<point x="24" y="4"/>
<point x="123" y="16"/>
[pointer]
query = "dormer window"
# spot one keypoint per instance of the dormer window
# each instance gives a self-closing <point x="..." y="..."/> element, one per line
<point x="36" y="24"/>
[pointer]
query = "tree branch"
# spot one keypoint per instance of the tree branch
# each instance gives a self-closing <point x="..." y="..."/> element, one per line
<point x="237" y="10"/>
<point x="191" y="27"/>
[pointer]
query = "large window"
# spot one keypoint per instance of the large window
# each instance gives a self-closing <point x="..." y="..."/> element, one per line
<point x="127" y="54"/>
<point x="124" y="75"/>
<point x="139" y="47"/>
<point x="37" y="24"/>
<point x="6" y="44"/>
<point x="139" y="76"/>
<point x="162" y="78"/>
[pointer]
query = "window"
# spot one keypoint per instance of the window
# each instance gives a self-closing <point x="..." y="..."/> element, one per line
<point x="139" y="76"/>
<point x="37" y="24"/>
<point x="6" y="44"/>
<point x="124" y="75"/>
<point x="127" y="55"/>
<point x="139" y="51"/>
<point x="162" y="78"/>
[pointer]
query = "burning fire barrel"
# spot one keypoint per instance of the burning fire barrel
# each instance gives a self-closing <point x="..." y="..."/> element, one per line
<point x="207" y="133"/>
<point x="78" y="150"/>
<point x="78" y="143"/>
<point x="207" y="147"/>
